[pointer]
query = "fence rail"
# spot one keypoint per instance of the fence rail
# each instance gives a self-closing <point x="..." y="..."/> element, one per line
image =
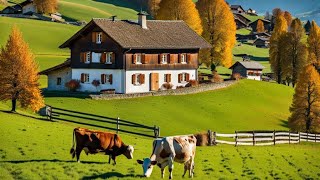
<point x="110" y="123"/>
<point x="262" y="138"/>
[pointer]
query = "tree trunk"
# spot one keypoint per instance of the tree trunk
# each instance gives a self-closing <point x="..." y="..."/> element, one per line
<point x="14" y="104"/>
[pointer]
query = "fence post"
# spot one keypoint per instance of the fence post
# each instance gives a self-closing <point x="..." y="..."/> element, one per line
<point x="315" y="137"/>
<point x="118" y="125"/>
<point x="236" y="138"/>
<point x="274" y="137"/>
<point x="214" y="138"/>
<point x="210" y="138"/>
<point x="289" y="138"/>
<point x="307" y="136"/>
<point x="253" y="139"/>
<point x="49" y="112"/>
<point x="156" y="131"/>
<point x="299" y="137"/>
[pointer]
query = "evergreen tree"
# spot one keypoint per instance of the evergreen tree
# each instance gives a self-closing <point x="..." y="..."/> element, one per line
<point x="46" y="6"/>
<point x="305" y="108"/>
<point x="219" y="30"/>
<point x="180" y="10"/>
<point x="19" y="74"/>
<point x="260" y="26"/>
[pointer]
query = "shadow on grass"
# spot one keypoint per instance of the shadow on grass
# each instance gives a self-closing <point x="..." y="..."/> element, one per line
<point x="25" y="115"/>
<point x="110" y="175"/>
<point x="284" y="123"/>
<point x="256" y="58"/>
<point x="80" y="95"/>
<point x="124" y="3"/>
<point x="51" y="160"/>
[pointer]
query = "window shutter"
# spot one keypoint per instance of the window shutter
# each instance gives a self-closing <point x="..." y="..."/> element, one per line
<point x="94" y="35"/>
<point x="82" y="57"/>
<point x="110" y="79"/>
<point x="143" y="58"/>
<point x="133" y="79"/>
<point x="187" y="77"/>
<point x="189" y="58"/>
<point x="113" y="58"/>
<point x="103" y="79"/>
<point x="104" y="37"/>
<point x="169" y="78"/>
<point x="179" y="58"/>
<point x="103" y="58"/>
<point x="82" y="78"/>
<point x="159" y="58"/>
<point x="134" y="59"/>
<point x="141" y="78"/>
<point x="172" y="58"/>
<point x="179" y="78"/>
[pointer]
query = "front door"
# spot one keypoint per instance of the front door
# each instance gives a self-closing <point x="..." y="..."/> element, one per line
<point x="154" y="84"/>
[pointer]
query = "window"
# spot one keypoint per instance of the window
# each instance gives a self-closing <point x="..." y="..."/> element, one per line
<point x="164" y="59"/>
<point x="138" y="59"/>
<point x="109" y="58"/>
<point x="138" y="79"/>
<point x="88" y="57"/>
<point x="96" y="57"/>
<point x="183" y="59"/>
<point x="85" y="78"/>
<point x="106" y="78"/>
<point x="99" y="38"/>
<point x="167" y="78"/>
<point x="183" y="77"/>
<point x="59" y="81"/>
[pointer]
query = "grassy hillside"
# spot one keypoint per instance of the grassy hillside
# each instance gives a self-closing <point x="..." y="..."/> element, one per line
<point x="38" y="149"/>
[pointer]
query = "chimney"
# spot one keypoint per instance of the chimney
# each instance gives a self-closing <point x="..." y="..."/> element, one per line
<point x="142" y="20"/>
<point x="113" y="18"/>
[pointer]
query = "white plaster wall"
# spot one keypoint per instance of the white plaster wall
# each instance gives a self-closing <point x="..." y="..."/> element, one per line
<point x="64" y="74"/>
<point x="28" y="8"/>
<point x="258" y="78"/>
<point x="130" y="88"/>
<point x="117" y="78"/>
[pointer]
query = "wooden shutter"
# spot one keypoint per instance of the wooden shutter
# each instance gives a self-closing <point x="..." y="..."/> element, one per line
<point x="103" y="78"/>
<point x="113" y="58"/>
<point x="82" y="57"/>
<point x="168" y="78"/>
<point x="147" y="58"/>
<point x="103" y="37"/>
<point x="133" y="80"/>
<point x="179" y="58"/>
<point x="103" y="58"/>
<point x="187" y="77"/>
<point x="159" y="58"/>
<point x="134" y="59"/>
<point x="141" y="78"/>
<point x="94" y="37"/>
<point x="179" y="78"/>
<point x="82" y="78"/>
<point x="172" y="58"/>
<point x="110" y="79"/>
<point x="189" y="60"/>
<point x="143" y="58"/>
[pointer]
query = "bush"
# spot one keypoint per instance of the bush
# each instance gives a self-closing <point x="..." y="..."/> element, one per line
<point x="213" y="67"/>
<point x="167" y="86"/>
<point x="73" y="85"/>
<point x="193" y="83"/>
<point x="216" y="77"/>
<point x="95" y="83"/>
<point x="236" y="76"/>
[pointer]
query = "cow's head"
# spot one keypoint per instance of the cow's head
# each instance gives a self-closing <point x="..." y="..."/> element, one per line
<point x="129" y="152"/>
<point x="147" y="166"/>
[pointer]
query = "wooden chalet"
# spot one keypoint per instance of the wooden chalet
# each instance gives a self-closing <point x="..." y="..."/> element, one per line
<point x="21" y="8"/>
<point x="252" y="12"/>
<point x="237" y="9"/>
<point x="252" y="36"/>
<point x="129" y="56"/>
<point x="266" y="23"/>
<point x="248" y="69"/>
<point x="262" y="42"/>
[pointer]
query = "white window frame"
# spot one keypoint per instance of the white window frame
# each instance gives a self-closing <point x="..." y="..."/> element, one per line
<point x="164" y="59"/>
<point x="88" y="57"/>
<point x="183" y="59"/>
<point x="109" y="58"/>
<point x="184" y="77"/>
<point x="137" y="80"/>
<point x="86" y="78"/>
<point x="138" y="59"/>
<point x="107" y="77"/>
<point x="99" y="38"/>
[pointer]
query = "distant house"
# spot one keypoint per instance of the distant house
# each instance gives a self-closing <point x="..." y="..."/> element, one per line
<point x="21" y="8"/>
<point x="239" y="23"/>
<point x="262" y="42"/>
<point x="248" y="69"/>
<point x="252" y="36"/>
<point x="252" y="12"/>
<point x="266" y="23"/>
<point x="130" y="56"/>
<point x="237" y="9"/>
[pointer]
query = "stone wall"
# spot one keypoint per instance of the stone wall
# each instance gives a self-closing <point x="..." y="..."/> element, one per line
<point x="182" y="91"/>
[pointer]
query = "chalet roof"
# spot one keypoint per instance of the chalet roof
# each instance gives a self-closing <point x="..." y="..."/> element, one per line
<point x="239" y="20"/>
<point x="248" y="65"/>
<point x="261" y="39"/>
<point x="236" y="7"/>
<point x="263" y="20"/>
<point x="24" y="3"/>
<point x="65" y="64"/>
<point x="242" y="16"/>
<point x="160" y="34"/>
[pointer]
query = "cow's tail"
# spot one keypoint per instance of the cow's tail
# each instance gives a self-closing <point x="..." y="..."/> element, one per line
<point x="72" y="150"/>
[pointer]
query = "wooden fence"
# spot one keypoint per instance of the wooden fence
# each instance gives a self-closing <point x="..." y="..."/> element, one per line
<point x="114" y="124"/>
<point x="261" y="138"/>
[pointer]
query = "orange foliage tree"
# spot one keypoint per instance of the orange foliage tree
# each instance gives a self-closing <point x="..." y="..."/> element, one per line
<point x="153" y="6"/>
<point x="276" y="51"/>
<point x="19" y="74"/>
<point x="46" y="6"/>
<point x="180" y="10"/>
<point x="260" y="26"/>
<point x="314" y="44"/>
<point x="219" y="30"/>
<point x="288" y="18"/>
<point x="305" y="108"/>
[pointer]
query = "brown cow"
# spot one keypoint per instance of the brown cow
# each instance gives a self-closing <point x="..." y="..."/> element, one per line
<point x="93" y="142"/>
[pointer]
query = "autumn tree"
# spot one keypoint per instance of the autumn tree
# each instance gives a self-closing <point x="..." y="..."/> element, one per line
<point x="276" y="51"/>
<point x="19" y="74"/>
<point x="219" y="30"/>
<point x="305" y="108"/>
<point x="295" y="54"/>
<point x="288" y="18"/>
<point x="260" y="26"/>
<point x="180" y="10"/>
<point x="153" y="6"/>
<point x="4" y="2"/>
<point x="314" y="43"/>
<point x="46" y="6"/>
